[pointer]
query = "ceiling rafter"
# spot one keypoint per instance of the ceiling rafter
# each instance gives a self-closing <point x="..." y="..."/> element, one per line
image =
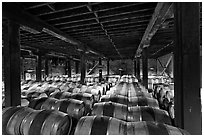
<point x="109" y="37"/>
<point x="39" y="5"/>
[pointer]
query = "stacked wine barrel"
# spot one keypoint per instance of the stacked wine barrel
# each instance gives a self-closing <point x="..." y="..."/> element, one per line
<point x="128" y="110"/>
<point x="27" y="121"/>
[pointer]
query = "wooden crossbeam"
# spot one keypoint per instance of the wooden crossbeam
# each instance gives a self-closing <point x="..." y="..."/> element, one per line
<point x="160" y="14"/>
<point x="163" y="68"/>
<point x="167" y="64"/>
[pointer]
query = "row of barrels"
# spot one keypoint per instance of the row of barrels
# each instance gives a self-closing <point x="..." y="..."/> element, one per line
<point x="165" y="97"/>
<point x="131" y="101"/>
<point x="104" y="125"/>
<point x="88" y="79"/>
<point x="131" y="116"/>
<point x="129" y="90"/>
<point x="27" y="121"/>
<point x="73" y="107"/>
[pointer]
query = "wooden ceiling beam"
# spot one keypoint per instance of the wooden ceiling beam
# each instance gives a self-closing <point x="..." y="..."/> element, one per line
<point x="39" y="4"/>
<point x="160" y="14"/>
<point x="130" y="14"/>
<point x="15" y="13"/>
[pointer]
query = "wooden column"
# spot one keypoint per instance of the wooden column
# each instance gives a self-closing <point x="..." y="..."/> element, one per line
<point x="135" y="67"/>
<point x="66" y="68"/>
<point x="23" y="68"/>
<point x="38" y="68"/>
<point x="12" y="65"/>
<point x="108" y="69"/>
<point x="46" y="67"/>
<point x="145" y="68"/>
<point x="156" y="66"/>
<point x="100" y="70"/>
<point x="83" y="68"/>
<point x="187" y="67"/>
<point x="138" y="68"/>
<point x="69" y="71"/>
<point x="76" y="67"/>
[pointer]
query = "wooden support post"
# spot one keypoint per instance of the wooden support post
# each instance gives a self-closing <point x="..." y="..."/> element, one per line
<point x="76" y="67"/>
<point x="38" y="68"/>
<point x="187" y="67"/>
<point x="23" y="68"/>
<point x="145" y="68"/>
<point x="156" y="67"/>
<point x="135" y="67"/>
<point x="69" y="71"/>
<point x="100" y="70"/>
<point x="66" y="68"/>
<point x="83" y="68"/>
<point x="138" y="68"/>
<point x="12" y="65"/>
<point x="46" y="67"/>
<point x="108" y="69"/>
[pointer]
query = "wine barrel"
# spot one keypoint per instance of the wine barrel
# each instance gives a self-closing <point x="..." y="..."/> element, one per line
<point x="24" y="102"/>
<point x="70" y="90"/>
<point x="122" y="89"/>
<point x="145" y="113"/>
<point x="76" y="90"/>
<point x="96" y="93"/>
<point x="49" y="90"/>
<point x="83" y="88"/>
<point x="37" y="102"/>
<point x="57" y="123"/>
<point x="46" y="122"/>
<point x="6" y="115"/>
<point x="115" y="98"/>
<point x="88" y="90"/>
<point x="88" y="99"/>
<point x="142" y="101"/>
<point x="66" y="95"/>
<point x="56" y="95"/>
<point x="153" y="128"/>
<point x="33" y="94"/>
<point x="13" y="126"/>
<point x="110" y="109"/>
<point x="100" y="125"/>
<point x="49" y="103"/>
<point x="72" y="107"/>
